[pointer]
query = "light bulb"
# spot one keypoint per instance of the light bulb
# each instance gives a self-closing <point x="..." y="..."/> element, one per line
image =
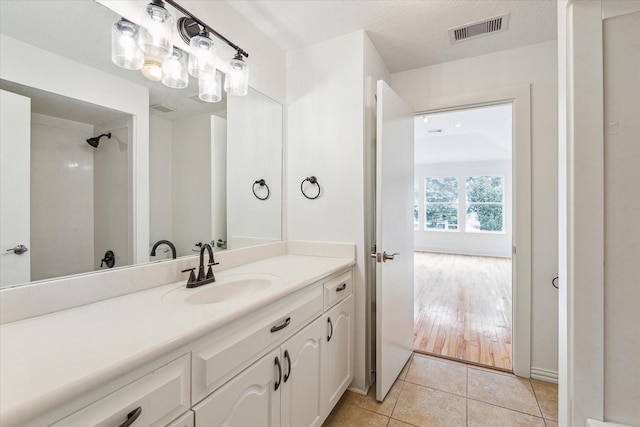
<point x="152" y="69"/>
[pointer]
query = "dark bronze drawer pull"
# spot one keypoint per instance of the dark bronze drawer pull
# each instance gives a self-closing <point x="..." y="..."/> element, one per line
<point x="132" y="417"/>
<point x="277" y="384"/>
<point x="331" y="326"/>
<point x="281" y="327"/>
<point x="288" y="359"/>
<point x="341" y="287"/>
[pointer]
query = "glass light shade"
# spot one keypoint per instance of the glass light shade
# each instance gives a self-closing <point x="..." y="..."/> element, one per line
<point x="202" y="57"/>
<point x="156" y="31"/>
<point x="152" y="69"/>
<point x="174" y="70"/>
<point x="237" y="79"/>
<point x="210" y="87"/>
<point x="125" y="52"/>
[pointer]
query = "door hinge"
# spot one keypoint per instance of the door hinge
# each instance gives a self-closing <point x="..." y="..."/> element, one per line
<point x="514" y="250"/>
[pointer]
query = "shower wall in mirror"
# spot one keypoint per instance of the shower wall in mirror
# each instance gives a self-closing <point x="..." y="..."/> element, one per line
<point x="185" y="175"/>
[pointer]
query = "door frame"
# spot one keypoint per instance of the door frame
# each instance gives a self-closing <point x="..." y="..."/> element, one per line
<point x="520" y="98"/>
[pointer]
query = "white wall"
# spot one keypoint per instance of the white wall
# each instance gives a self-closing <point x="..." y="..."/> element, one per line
<point x="254" y="129"/>
<point x="535" y="65"/>
<point x="191" y="182"/>
<point x="62" y="215"/>
<point x="462" y="242"/>
<point x="621" y="221"/>
<point x="219" y="179"/>
<point x="112" y="200"/>
<point x="160" y="175"/>
<point x="325" y="125"/>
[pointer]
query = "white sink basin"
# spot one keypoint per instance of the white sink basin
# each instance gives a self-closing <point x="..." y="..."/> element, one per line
<point x="224" y="289"/>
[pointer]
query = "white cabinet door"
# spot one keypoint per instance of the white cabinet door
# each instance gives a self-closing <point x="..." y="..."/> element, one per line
<point x="250" y="399"/>
<point x="337" y="353"/>
<point x="301" y="378"/>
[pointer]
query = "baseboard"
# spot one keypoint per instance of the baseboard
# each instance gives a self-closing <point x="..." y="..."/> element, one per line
<point x="544" y="375"/>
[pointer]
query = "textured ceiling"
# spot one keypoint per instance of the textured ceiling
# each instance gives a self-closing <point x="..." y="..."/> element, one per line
<point x="408" y="33"/>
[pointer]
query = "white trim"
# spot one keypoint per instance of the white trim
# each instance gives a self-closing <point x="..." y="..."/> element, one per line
<point x="580" y="212"/>
<point x="493" y="254"/>
<point x="544" y="375"/>
<point x="520" y="96"/>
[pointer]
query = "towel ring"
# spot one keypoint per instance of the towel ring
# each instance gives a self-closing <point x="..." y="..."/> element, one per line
<point x="262" y="184"/>
<point x="312" y="180"/>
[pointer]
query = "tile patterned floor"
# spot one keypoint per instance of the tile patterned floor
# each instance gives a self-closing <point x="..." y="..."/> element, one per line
<point x="433" y="392"/>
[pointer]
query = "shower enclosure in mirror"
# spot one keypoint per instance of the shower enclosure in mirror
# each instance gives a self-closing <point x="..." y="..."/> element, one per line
<point x="174" y="168"/>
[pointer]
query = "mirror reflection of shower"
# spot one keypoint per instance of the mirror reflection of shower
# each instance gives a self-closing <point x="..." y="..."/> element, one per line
<point x="96" y="140"/>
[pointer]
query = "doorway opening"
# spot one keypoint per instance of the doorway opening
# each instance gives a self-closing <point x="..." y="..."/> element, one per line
<point x="463" y="205"/>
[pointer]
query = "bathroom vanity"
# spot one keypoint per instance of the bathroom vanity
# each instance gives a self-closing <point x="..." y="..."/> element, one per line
<point x="269" y="343"/>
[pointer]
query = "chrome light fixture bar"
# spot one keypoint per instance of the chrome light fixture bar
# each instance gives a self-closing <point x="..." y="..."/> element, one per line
<point x="147" y="47"/>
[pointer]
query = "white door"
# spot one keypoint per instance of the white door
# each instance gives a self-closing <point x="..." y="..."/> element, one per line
<point x="15" y="166"/>
<point x="394" y="238"/>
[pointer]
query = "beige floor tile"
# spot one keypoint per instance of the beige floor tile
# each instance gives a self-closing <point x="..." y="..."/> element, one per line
<point x="422" y="406"/>
<point x="347" y="415"/>
<point x="403" y="373"/>
<point x="485" y="415"/>
<point x="398" y="423"/>
<point x="547" y="395"/>
<point x="551" y="423"/>
<point x="440" y="374"/>
<point x="507" y="391"/>
<point x="369" y="402"/>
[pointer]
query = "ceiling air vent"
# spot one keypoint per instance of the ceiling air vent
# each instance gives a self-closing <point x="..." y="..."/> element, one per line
<point x="480" y="28"/>
<point x="163" y="108"/>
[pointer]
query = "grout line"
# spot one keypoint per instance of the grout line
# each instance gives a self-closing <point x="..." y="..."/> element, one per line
<point x="467" y="400"/>
<point x="504" y="407"/>
<point x="537" y="400"/>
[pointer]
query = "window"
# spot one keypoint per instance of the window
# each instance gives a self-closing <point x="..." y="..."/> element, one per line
<point x="416" y="198"/>
<point x="485" y="203"/>
<point x="441" y="199"/>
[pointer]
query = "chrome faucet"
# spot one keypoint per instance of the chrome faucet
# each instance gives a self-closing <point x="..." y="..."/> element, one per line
<point x="202" y="278"/>
<point x="168" y="243"/>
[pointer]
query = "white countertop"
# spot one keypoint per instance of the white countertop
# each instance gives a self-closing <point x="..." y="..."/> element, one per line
<point x="52" y="359"/>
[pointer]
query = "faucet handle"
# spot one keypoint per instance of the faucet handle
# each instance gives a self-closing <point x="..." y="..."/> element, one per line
<point x="192" y="276"/>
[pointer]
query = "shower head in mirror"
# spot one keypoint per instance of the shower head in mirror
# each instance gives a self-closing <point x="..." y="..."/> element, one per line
<point x="96" y="139"/>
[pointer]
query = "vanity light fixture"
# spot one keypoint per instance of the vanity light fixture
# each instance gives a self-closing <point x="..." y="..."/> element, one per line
<point x="237" y="80"/>
<point x="148" y="47"/>
<point x="174" y="70"/>
<point x="156" y="30"/>
<point x="202" y="57"/>
<point x="124" y="45"/>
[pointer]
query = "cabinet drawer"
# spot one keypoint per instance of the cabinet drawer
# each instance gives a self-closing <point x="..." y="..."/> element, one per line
<point x="223" y="355"/>
<point x="161" y="396"/>
<point x="337" y="289"/>
<point x="186" y="420"/>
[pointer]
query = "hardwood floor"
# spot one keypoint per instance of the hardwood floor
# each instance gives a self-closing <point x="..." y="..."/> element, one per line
<point x="463" y="308"/>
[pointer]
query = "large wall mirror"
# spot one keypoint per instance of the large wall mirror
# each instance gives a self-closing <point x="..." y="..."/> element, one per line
<point x="79" y="197"/>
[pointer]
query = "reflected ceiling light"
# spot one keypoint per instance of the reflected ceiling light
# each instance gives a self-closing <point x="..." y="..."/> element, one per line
<point x="174" y="70"/>
<point x="425" y="119"/>
<point x="457" y="125"/>
<point x="156" y="30"/>
<point x="149" y="47"/>
<point x="237" y="79"/>
<point x="210" y="87"/>
<point x="125" y="52"/>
